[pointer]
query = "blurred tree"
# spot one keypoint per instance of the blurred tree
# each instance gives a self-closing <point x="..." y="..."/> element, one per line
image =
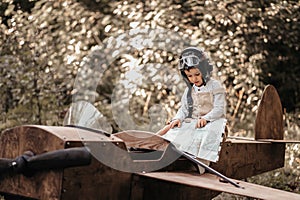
<point x="245" y="39"/>
<point x="279" y="46"/>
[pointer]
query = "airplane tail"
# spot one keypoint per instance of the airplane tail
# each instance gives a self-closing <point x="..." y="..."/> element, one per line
<point x="269" y="118"/>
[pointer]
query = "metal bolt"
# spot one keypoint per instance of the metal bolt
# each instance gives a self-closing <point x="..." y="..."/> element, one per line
<point x="14" y="163"/>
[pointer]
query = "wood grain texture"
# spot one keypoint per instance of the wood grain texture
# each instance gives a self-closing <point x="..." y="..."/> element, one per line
<point x="269" y="118"/>
<point x="14" y="142"/>
<point x="149" y="186"/>
<point x="177" y="185"/>
<point x="240" y="159"/>
<point x="94" y="181"/>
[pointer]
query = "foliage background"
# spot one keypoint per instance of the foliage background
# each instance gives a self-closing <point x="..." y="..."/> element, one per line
<point x="252" y="43"/>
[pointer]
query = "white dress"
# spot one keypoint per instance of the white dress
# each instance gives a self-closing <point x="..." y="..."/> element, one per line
<point x="209" y="103"/>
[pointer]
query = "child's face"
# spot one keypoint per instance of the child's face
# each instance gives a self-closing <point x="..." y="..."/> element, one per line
<point x="194" y="75"/>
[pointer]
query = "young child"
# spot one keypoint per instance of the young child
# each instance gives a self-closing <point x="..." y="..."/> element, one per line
<point x="199" y="124"/>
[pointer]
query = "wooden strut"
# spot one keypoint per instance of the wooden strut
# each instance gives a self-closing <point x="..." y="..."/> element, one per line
<point x="194" y="160"/>
<point x="89" y="129"/>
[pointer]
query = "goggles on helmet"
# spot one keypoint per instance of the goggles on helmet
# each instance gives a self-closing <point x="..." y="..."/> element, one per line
<point x="188" y="61"/>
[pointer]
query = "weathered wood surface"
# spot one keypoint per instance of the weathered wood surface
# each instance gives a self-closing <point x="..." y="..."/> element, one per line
<point x="71" y="134"/>
<point x="89" y="182"/>
<point x="244" y="158"/>
<point x="15" y="142"/>
<point x="96" y="181"/>
<point x="149" y="186"/>
<point x="197" y="182"/>
<point x="269" y="118"/>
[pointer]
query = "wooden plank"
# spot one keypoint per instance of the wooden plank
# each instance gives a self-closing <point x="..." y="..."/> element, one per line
<point x="269" y="118"/>
<point x="212" y="182"/>
<point x="152" y="188"/>
<point x="76" y="134"/>
<point x="234" y="139"/>
<point x="246" y="139"/>
<point x="280" y="141"/>
<point x="96" y="181"/>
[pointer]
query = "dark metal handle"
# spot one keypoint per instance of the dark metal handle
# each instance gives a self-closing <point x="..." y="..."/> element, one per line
<point x="29" y="163"/>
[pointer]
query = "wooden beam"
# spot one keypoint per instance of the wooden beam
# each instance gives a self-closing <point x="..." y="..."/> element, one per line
<point x="209" y="182"/>
<point x="280" y="141"/>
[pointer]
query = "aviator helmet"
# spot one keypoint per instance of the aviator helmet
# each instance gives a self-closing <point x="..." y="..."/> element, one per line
<point x="192" y="57"/>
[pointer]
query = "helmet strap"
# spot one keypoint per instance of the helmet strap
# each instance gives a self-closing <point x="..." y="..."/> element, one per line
<point x="190" y="102"/>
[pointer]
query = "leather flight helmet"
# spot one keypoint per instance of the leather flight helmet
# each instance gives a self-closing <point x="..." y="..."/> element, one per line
<point x="194" y="57"/>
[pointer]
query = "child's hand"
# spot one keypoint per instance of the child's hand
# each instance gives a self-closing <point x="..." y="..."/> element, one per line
<point x="201" y="123"/>
<point x="174" y="123"/>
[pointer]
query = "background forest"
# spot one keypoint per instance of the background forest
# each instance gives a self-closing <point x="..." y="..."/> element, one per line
<point x="44" y="44"/>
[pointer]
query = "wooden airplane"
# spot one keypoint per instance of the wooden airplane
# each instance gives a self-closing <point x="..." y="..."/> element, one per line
<point x="56" y="163"/>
